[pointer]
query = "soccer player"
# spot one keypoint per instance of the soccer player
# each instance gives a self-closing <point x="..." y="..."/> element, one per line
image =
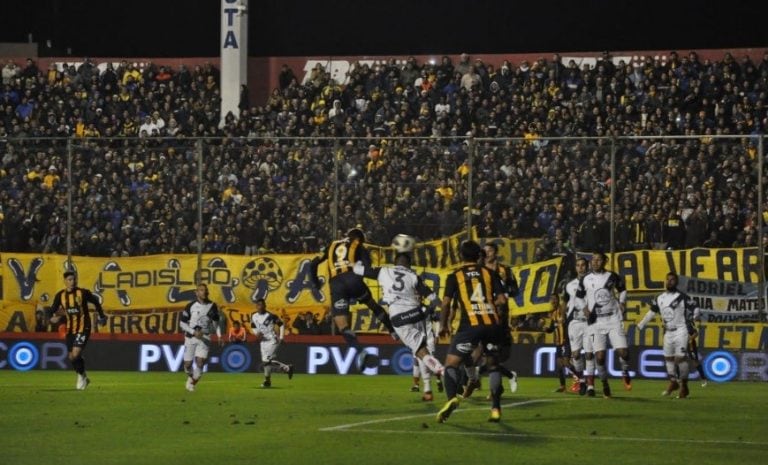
<point x="263" y="327"/>
<point x="420" y="369"/>
<point x="677" y="312"/>
<point x="477" y="291"/>
<point x="577" y="328"/>
<point x="71" y="303"/>
<point x="557" y="325"/>
<point x="197" y="320"/>
<point x="347" y="287"/>
<point x="511" y="289"/>
<point x="403" y="291"/>
<point x="606" y="295"/>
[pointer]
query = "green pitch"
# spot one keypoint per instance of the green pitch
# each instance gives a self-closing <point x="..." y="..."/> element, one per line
<point x="148" y="418"/>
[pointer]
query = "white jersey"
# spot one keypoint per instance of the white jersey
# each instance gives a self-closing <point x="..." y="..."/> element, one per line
<point x="599" y="290"/>
<point x="677" y="311"/>
<point x="263" y="324"/>
<point x="204" y="315"/>
<point x="575" y="310"/>
<point x="402" y="291"/>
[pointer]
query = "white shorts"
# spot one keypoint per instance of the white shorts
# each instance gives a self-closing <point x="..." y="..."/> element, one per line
<point x="196" y="348"/>
<point x="589" y="337"/>
<point x="577" y="334"/>
<point x="413" y="335"/>
<point x="676" y="342"/>
<point x="431" y="337"/>
<point x="612" y="331"/>
<point x="268" y="349"/>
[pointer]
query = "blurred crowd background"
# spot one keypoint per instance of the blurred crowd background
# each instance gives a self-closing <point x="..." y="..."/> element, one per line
<point x="125" y="160"/>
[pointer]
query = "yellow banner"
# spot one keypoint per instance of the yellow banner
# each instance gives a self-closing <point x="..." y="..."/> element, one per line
<point x="135" y="290"/>
<point x="537" y="281"/>
<point x="439" y="253"/>
<point x="646" y="270"/>
<point x="163" y="281"/>
<point x="144" y="294"/>
<point x="514" y="252"/>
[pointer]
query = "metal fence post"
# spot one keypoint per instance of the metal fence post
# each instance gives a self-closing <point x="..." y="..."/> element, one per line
<point x="70" y="186"/>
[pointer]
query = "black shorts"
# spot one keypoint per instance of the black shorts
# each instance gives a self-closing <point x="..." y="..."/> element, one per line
<point x="505" y="344"/>
<point x="466" y="340"/>
<point x="563" y="351"/>
<point x="346" y="289"/>
<point x="77" y="340"/>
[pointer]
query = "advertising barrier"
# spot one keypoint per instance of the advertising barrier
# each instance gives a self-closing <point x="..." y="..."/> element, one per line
<point x="329" y="355"/>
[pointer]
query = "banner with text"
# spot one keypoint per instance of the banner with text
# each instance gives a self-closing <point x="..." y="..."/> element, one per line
<point x="645" y="270"/>
<point x="723" y="301"/>
<point x="139" y="292"/>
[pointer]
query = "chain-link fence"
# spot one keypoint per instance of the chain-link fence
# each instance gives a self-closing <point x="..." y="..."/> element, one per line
<point x="121" y="197"/>
<point x="133" y="197"/>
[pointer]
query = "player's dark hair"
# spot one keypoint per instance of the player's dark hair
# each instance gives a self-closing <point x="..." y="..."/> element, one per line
<point x="470" y="251"/>
<point x="493" y="246"/>
<point x="356" y="233"/>
<point x="403" y="258"/>
<point x="69" y="273"/>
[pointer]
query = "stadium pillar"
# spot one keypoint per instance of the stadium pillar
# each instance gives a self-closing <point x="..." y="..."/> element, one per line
<point x="234" y="55"/>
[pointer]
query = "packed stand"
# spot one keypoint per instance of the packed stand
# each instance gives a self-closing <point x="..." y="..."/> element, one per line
<point x="402" y="139"/>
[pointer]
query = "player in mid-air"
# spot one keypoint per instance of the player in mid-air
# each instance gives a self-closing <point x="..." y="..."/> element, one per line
<point x="71" y="303"/>
<point x="196" y="321"/>
<point x="677" y="312"/>
<point x="605" y="295"/>
<point x="347" y="287"/>
<point x="403" y="292"/>
<point x="263" y="327"/>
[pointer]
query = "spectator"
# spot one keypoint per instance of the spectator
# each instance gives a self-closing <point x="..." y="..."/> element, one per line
<point x="530" y="100"/>
<point x="236" y="333"/>
<point x="306" y="324"/>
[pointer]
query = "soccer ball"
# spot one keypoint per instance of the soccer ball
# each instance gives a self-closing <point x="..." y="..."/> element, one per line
<point x="403" y="243"/>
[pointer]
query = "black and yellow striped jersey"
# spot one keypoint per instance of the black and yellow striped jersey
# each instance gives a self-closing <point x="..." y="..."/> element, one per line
<point x="75" y="306"/>
<point x="509" y="283"/>
<point x="557" y="325"/>
<point x="474" y="288"/>
<point x="507" y="279"/>
<point x="341" y="256"/>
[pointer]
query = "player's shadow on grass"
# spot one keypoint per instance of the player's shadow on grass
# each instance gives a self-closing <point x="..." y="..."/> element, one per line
<point x="498" y="433"/>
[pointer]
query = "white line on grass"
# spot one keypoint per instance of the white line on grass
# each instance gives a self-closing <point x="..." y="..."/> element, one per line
<point x="409" y="417"/>
<point x="354" y="428"/>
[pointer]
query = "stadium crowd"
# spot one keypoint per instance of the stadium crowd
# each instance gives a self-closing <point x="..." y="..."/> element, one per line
<point x="396" y="150"/>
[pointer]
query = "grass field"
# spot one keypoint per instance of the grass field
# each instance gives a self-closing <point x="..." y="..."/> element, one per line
<point x="148" y="418"/>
